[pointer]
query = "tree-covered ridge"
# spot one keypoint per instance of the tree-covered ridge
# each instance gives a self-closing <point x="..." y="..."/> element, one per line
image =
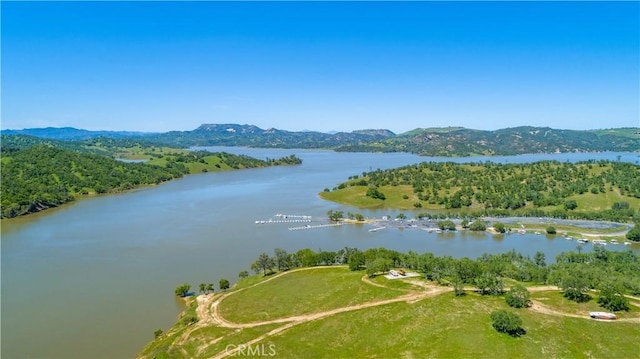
<point x="40" y="177"/>
<point x="253" y="136"/>
<point x="510" y="141"/>
<point x="550" y="187"/>
<point x="72" y="134"/>
<point x="437" y="141"/>
<point x="112" y="147"/>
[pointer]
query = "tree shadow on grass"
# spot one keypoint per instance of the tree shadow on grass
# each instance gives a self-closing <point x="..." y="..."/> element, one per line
<point x="518" y="332"/>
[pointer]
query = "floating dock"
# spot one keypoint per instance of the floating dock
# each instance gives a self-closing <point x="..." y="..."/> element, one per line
<point x="315" y="227"/>
<point x="286" y="218"/>
<point x="271" y="221"/>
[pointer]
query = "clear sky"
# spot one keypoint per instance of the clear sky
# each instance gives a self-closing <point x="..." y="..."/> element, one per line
<point x="160" y="66"/>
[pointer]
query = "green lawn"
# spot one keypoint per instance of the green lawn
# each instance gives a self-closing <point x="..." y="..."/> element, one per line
<point x="301" y="292"/>
<point x="443" y="326"/>
<point x="450" y="327"/>
<point x="555" y="299"/>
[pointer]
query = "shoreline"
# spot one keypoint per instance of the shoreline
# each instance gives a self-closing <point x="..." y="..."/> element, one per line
<point x="610" y="230"/>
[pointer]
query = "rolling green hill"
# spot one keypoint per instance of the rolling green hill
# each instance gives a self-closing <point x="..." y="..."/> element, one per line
<point x="462" y="142"/>
<point x="436" y="141"/>
<point x="547" y="188"/>
<point x="40" y="173"/>
<point x="334" y="312"/>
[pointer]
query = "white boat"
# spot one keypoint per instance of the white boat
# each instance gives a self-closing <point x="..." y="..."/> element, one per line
<point x="599" y="242"/>
<point x="603" y="315"/>
<point x="583" y="240"/>
<point x="613" y="241"/>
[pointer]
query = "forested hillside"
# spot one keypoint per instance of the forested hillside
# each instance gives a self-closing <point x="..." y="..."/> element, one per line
<point x="37" y="177"/>
<point x="510" y="141"/>
<point x="252" y="136"/>
<point x="72" y="134"/>
<point x="41" y="177"/>
<point x="97" y="145"/>
<point x="547" y="188"/>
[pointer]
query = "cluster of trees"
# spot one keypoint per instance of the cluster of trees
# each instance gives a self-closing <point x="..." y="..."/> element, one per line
<point x="546" y="187"/>
<point x="40" y="177"/>
<point x="335" y="216"/>
<point x="634" y="233"/>
<point x="182" y="290"/>
<point x="612" y="273"/>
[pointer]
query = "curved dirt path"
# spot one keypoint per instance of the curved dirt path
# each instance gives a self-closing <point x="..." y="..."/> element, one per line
<point x="301" y="319"/>
<point x="208" y="310"/>
<point x="411" y="297"/>
<point x="541" y="308"/>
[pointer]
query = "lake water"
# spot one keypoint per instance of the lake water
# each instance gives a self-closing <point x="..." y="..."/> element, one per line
<point x="95" y="278"/>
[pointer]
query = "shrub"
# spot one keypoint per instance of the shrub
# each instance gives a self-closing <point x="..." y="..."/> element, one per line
<point x="518" y="297"/>
<point x="375" y="193"/>
<point x="182" y="290"/>
<point x="570" y="205"/>
<point x="507" y="322"/>
<point x="634" y="234"/>
<point x="477" y="226"/>
<point x="611" y="297"/>
<point x="499" y="227"/>
<point x="188" y="319"/>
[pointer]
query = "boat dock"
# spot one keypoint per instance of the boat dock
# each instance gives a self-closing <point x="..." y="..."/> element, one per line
<point x="269" y="221"/>
<point x="286" y="218"/>
<point x="315" y="227"/>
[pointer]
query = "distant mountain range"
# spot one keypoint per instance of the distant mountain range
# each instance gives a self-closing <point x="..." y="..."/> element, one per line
<point x="441" y="141"/>
<point x="71" y="134"/>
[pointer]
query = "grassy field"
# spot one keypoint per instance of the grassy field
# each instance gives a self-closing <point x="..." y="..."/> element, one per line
<point x="301" y="292"/>
<point x="356" y="196"/>
<point x="439" y="326"/>
<point x="556" y="300"/>
<point x="454" y="327"/>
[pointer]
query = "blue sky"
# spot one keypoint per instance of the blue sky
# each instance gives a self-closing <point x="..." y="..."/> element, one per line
<point x="160" y="66"/>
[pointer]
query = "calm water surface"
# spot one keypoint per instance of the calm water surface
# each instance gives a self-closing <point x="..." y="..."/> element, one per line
<point x="95" y="278"/>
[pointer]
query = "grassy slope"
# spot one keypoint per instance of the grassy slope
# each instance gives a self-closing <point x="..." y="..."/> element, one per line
<point x="631" y="132"/>
<point x="450" y="327"/>
<point x="443" y="326"/>
<point x="300" y="293"/>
